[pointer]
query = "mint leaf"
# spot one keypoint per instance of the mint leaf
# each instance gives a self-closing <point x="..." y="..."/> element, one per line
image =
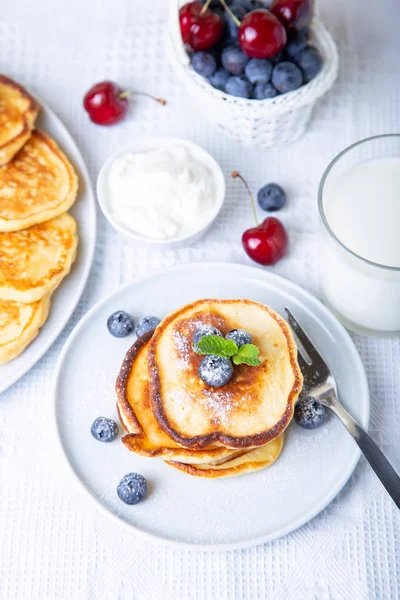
<point x="213" y="344"/>
<point x="248" y="355"/>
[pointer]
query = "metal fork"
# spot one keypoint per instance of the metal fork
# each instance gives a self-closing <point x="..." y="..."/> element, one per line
<point x="320" y="384"/>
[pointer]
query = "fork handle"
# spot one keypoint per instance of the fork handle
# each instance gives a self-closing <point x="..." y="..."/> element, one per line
<point x="378" y="461"/>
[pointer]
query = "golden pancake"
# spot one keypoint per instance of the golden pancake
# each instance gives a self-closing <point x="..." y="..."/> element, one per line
<point x="34" y="261"/>
<point x="19" y="325"/>
<point x="145" y="437"/>
<point x="37" y="185"/>
<point x="18" y="111"/>
<point x="249" y="461"/>
<point x="257" y="404"/>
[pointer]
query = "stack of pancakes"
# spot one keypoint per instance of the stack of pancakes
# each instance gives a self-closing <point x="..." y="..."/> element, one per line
<point x="169" y="412"/>
<point x="38" y="239"/>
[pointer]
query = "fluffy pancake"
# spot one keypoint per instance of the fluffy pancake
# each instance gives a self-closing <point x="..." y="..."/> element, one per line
<point x="19" y="325"/>
<point x="145" y="436"/>
<point x="34" y="261"/>
<point x="37" y="185"/>
<point x="18" y="111"/>
<point x="256" y="405"/>
<point x="247" y="462"/>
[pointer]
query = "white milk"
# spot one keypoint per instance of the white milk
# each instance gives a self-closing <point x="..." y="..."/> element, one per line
<point x="362" y="207"/>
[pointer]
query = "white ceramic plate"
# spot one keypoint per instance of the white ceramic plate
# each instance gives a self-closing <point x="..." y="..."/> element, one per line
<point x="66" y="297"/>
<point x="225" y="513"/>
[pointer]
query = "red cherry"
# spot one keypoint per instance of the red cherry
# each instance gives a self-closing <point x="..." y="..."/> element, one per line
<point x="261" y="34"/>
<point x="107" y="103"/>
<point x="267" y="243"/>
<point x="200" y="27"/>
<point x="104" y="103"/>
<point x="294" y="14"/>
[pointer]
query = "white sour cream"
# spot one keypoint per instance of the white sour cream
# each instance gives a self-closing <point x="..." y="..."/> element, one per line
<point x="161" y="194"/>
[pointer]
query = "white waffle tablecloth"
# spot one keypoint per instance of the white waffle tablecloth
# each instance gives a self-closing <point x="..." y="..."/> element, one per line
<point x="53" y="544"/>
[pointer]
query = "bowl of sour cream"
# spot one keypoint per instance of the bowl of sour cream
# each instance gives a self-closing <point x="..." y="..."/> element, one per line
<point x="161" y="192"/>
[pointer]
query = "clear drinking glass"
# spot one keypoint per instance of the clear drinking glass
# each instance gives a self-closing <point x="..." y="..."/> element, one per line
<point x="363" y="294"/>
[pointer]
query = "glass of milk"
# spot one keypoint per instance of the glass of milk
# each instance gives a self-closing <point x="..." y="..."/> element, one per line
<point x="359" y="205"/>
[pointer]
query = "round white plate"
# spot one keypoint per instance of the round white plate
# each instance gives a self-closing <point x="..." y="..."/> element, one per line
<point x="224" y="513"/>
<point x="66" y="297"/>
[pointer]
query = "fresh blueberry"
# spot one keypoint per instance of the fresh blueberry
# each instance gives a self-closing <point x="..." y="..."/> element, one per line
<point x="132" y="488"/>
<point x="310" y="62"/>
<point x="262" y="91"/>
<point x="204" y="63"/>
<point x="104" y="430"/>
<point x="258" y="70"/>
<point x="232" y="29"/>
<point x="296" y="43"/>
<point x="215" y="370"/>
<point x="145" y="324"/>
<point x="215" y="4"/>
<point x="309" y="413"/>
<point x="219" y="79"/>
<point x="253" y="4"/>
<point x="234" y="60"/>
<point x="271" y="197"/>
<point x="277" y="58"/>
<point x="120" y="324"/>
<point x="239" y="86"/>
<point x="240" y="336"/>
<point x="286" y="77"/>
<point x="204" y="330"/>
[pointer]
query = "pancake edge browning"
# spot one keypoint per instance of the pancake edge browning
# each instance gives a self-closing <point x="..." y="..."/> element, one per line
<point x="10" y="148"/>
<point x="228" y="471"/>
<point x="199" y="442"/>
<point x="10" y="225"/>
<point x="30" y="332"/>
<point x="133" y="427"/>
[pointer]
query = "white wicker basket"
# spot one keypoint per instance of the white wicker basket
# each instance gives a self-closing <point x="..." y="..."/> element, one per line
<point x="255" y="123"/>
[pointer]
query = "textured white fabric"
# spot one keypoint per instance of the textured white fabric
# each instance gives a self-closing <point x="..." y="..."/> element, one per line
<point x="53" y="544"/>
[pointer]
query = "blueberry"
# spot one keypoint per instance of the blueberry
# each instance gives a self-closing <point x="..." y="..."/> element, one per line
<point x="239" y="86"/>
<point x="262" y="91"/>
<point x="215" y="370"/>
<point x="205" y="330"/>
<point x="277" y="58"/>
<point x="132" y="488"/>
<point x="309" y="413"/>
<point x="271" y="197"/>
<point x="240" y="336"/>
<point x="104" y="430"/>
<point x="310" y="62"/>
<point x="215" y="4"/>
<point x="286" y="77"/>
<point x="219" y="79"/>
<point x="120" y="324"/>
<point x="234" y="60"/>
<point x="232" y="29"/>
<point x="258" y="70"/>
<point x="296" y="43"/>
<point x="204" y="63"/>
<point x="146" y="324"/>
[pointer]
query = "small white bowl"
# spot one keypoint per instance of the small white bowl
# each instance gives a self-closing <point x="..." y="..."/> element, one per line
<point x="151" y="144"/>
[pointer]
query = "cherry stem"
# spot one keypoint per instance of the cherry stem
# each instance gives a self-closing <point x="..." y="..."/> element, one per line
<point x="230" y="13"/>
<point x="236" y="174"/>
<point x="203" y="10"/>
<point x="128" y="93"/>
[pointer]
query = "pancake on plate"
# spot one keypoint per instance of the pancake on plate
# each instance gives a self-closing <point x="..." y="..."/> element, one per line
<point x="18" y="111"/>
<point x="34" y="261"/>
<point x="169" y="412"/>
<point x="19" y="325"/>
<point x="37" y="185"/>
<point x="255" y="406"/>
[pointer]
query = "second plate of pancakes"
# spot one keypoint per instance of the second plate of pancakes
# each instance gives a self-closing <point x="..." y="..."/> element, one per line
<point x="223" y="513"/>
<point x="34" y="306"/>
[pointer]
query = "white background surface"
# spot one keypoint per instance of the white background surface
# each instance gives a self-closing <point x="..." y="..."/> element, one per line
<point x="52" y="544"/>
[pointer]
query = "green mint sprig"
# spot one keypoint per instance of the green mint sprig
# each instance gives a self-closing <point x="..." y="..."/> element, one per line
<point x="218" y="346"/>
